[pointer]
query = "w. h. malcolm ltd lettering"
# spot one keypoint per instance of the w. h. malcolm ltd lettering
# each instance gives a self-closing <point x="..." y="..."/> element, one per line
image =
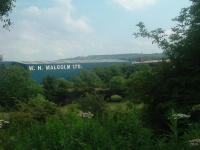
<point x="54" y="67"/>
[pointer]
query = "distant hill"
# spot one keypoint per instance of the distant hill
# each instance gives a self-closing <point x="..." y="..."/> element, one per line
<point x="129" y="57"/>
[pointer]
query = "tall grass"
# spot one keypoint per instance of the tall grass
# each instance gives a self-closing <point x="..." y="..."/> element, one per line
<point x="114" y="130"/>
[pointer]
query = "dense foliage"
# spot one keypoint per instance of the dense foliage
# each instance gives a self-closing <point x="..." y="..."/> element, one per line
<point x="92" y="103"/>
<point x="118" y="129"/>
<point x="38" y="108"/>
<point x="173" y="85"/>
<point x="16" y="86"/>
<point x="144" y="107"/>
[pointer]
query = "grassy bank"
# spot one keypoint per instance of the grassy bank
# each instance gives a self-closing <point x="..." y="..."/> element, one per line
<point x="119" y="127"/>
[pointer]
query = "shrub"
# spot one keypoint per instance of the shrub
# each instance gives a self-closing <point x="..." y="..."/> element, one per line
<point x="70" y="132"/>
<point x="92" y="103"/>
<point x="189" y="141"/>
<point x="117" y="129"/>
<point x="121" y="130"/>
<point x="192" y="136"/>
<point x="38" y="107"/>
<point x="126" y="130"/>
<point x="116" y="98"/>
<point x="87" y="79"/>
<point x="195" y="114"/>
<point x="16" y="85"/>
<point x="57" y="90"/>
<point x="117" y="82"/>
<point x="196" y="107"/>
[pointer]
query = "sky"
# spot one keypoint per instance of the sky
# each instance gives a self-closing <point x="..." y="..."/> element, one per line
<point x="58" y="29"/>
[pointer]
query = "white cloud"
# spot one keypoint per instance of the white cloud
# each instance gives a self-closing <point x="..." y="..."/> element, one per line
<point x="58" y="31"/>
<point x="33" y="10"/>
<point x="46" y="33"/>
<point x="135" y="4"/>
<point x="61" y="14"/>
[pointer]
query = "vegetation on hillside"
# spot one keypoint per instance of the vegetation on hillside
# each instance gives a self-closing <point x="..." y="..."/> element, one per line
<point x="144" y="107"/>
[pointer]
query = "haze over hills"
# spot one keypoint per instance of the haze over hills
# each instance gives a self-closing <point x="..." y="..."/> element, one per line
<point x="130" y="57"/>
<point x="135" y="57"/>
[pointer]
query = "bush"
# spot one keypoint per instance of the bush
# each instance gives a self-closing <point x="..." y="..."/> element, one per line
<point x="126" y="130"/>
<point x="116" y="131"/>
<point x="195" y="114"/>
<point x="116" y="98"/>
<point x="189" y="141"/>
<point x="57" y="90"/>
<point x="92" y="103"/>
<point x="69" y="132"/>
<point x="193" y="133"/>
<point x="16" y="85"/>
<point x="39" y="108"/>
<point x="117" y="82"/>
<point x="87" y="79"/>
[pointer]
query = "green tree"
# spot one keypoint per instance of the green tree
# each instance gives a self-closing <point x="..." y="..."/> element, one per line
<point x="6" y="7"/>
<point x="182" y="46"/>
<point x="57" y="90"/>
<point x="92" y="103"/>
<point x="117" y="83"/>
<point x="88" y="79"/>
<point x="141" y="83"/>
<point x="177" y="83"/>
<point x="105" y="74"/>
<point x="38" y="107"/>
<point x="16" y="85"/>
<point x="50" y="86"/>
